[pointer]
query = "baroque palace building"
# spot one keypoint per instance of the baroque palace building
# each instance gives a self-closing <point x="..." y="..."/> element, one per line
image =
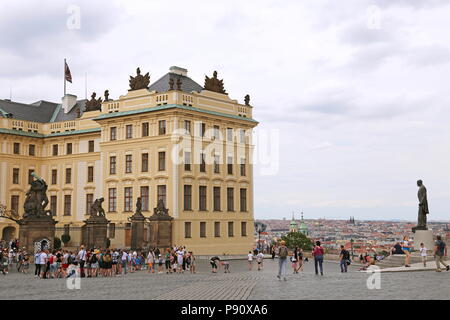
<point x="175" y="140"/>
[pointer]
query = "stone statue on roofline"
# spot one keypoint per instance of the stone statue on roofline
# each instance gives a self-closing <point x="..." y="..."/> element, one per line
<point x="139" y="81"/>
<point x="94" y="104"/>
<point x="214" y="84"/>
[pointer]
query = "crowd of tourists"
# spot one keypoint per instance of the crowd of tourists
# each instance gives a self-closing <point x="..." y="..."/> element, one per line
<point x="111" y="262"/>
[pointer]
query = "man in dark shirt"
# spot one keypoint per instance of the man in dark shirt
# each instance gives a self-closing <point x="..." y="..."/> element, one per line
<point x="344" y="259"/>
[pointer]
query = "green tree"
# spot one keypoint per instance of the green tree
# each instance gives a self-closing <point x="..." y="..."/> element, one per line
<point x="297" y="239"/>
<point x="65" y="238"/>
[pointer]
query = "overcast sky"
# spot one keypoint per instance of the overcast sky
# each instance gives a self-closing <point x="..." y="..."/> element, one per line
<point x="357" y="90"/>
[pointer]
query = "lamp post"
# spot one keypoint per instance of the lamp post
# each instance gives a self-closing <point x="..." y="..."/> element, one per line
<point x="260" y="227"/>
<point x="351" y="243"/>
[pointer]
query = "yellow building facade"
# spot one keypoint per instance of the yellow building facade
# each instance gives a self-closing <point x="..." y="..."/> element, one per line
<point x="173" y="140"/>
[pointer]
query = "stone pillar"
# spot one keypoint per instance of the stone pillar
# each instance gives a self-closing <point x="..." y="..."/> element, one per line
<point x="35" y="231"/>
<point x="95" y="232"/>
<point x="137" y="231"/>
<point x="160" y="232"/>
<point x="425" y="237"/>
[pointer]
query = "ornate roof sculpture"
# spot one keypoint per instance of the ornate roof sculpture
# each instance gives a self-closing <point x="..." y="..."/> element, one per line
<point x="139" y="81"/>
<point x="247" y="100"/>
<point x="93" y="104"/>
<point x="214" y="84"/>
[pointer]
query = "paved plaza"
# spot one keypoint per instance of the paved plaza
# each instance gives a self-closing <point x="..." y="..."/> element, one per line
<point x="240" y="284"/>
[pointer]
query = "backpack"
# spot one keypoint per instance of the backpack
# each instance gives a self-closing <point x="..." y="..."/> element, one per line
<point x="106" y="258"/>
<point x="94" y="258"/>
<point x="283" y="252"/>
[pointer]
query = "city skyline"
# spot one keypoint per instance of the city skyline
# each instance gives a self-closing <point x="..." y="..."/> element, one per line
<point x="358" y="89"/>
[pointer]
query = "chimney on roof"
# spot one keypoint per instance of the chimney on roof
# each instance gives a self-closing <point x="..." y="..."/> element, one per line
<point x="178" y="70"/>
<point x="68" y="102"/>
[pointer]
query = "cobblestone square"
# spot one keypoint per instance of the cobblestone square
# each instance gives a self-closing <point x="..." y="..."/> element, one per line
<point x="240" y="284"/>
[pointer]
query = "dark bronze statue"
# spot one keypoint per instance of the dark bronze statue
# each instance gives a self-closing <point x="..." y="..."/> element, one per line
<point x="160" y="208"/>
<point x="214" y="84"/>
<point x="423" y="207"/>
<point x="179" y="84"/>
<point x="36" y="198"/>
<point x="247" y="100"/>
<point x="106" y="95"/>
<point x="139" y="205"/>
<point x="96" y="208"/>
<point x="140" y="81"/>
<point x="171" y="84"/>
<point x="94" y="104"/>
<point x="78" y="113"/>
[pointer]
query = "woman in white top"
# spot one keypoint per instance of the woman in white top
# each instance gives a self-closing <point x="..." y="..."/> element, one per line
<point x="151" y="261"/>
<point x="250" y="260"/>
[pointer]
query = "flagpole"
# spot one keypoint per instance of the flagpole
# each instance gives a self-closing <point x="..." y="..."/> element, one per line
<point x="64" y="76"/>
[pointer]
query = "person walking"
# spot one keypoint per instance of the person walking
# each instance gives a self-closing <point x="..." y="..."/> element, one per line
<point x="250" y="260"/>
<point x="37" y="264"/>
<point x="283" y="253"/>
<point x="440" y="251"/>
<point x="423" y="254"/>
<point x="344" y="259"/>
<point x="193" y="262"/>
<point x="318" y="253"/>
<point x="406" y="247"/>
<point x="81" y="258"/>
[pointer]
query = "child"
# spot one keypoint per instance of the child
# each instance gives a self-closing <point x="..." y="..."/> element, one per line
<point x="294" y="264"/>
<point x="160" y="264"/>
<point x="226" y="264"/>
<point x="423" y="254"/>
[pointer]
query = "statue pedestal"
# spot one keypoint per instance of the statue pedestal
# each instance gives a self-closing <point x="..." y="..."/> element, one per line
<point x="36" y="232"/>
<point x="137" y="231"/>
<point x="425" y="237"/>
<point x="160" y="232"/>
<point x="94" y="232"/>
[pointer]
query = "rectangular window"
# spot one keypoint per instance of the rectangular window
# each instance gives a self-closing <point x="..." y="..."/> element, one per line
<point x="187" y="197"/>
<point x="112" y="165"/>
<point x="113" y="133"/>
<point x="129" y="131"/>
<point x="202" y="229"/>
<point x="54" y="176"/>
<point x="15" y="204"/>
<point x="162" y="194"/>
<point x="69" y="148"/>
<point x="145" y="162"/>
<point x="31" y="150"/>
<point x="242" y="136"/>
<point x="90" y="177"/>
<point x="216" y="164"/>
<point x="187" y="126"/>
<point x="68" y="175"/>
<point x="112" y="204"/>
<point x="145" y="129"/>
<point x="230" y="165"/>
<point x="230" y="134"/>
<point x="230" y="199"/>
<point x="16" y="148"/>
<point x="161" y="161"/>
<point x="216" y="229"/>
<point x="202" y="162"/>
<point x="242" y="166"/>
<point x="55" y="149"/>
<point x="244" y="229"/>
<point x="89" y="202"/>
<point x="187" y="161"/>
<point x="53" y="205"/>
<point x="243" y="200"/>
<point x="16" y="176"/>
<point x="202" y="127"/>
<point x="67" y="204"/>
<point x="91" y="145"/>
<point x="162" y="127"/>
<point x="202" y="198"/>
<point x="30" y="177"/>
<point x="128" y="205"/>
<point x="216" y="192"/>
<point x="145" y="198"/>
<point x="216" y="132"/>
<point x="231" y="229"/>
<point x="128" y="163"/>
<point x="112" y="230"/>
<point x="187" y="230"/>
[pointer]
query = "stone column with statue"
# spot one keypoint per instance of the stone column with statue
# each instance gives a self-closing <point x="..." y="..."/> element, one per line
<point x="137" y="227"/>
<point x="37" y="226"/>
<point x="160" y="227"/>
<point x="421" y="232"/>
<point x="95" y="229"/>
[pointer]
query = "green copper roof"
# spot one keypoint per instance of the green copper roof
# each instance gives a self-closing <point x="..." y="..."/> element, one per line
<point x="169" y="106"/>
<point x="39" y="135"/>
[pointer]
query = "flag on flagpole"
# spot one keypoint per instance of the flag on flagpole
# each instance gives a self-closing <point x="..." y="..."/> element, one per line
<point x="67" y="74"/>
